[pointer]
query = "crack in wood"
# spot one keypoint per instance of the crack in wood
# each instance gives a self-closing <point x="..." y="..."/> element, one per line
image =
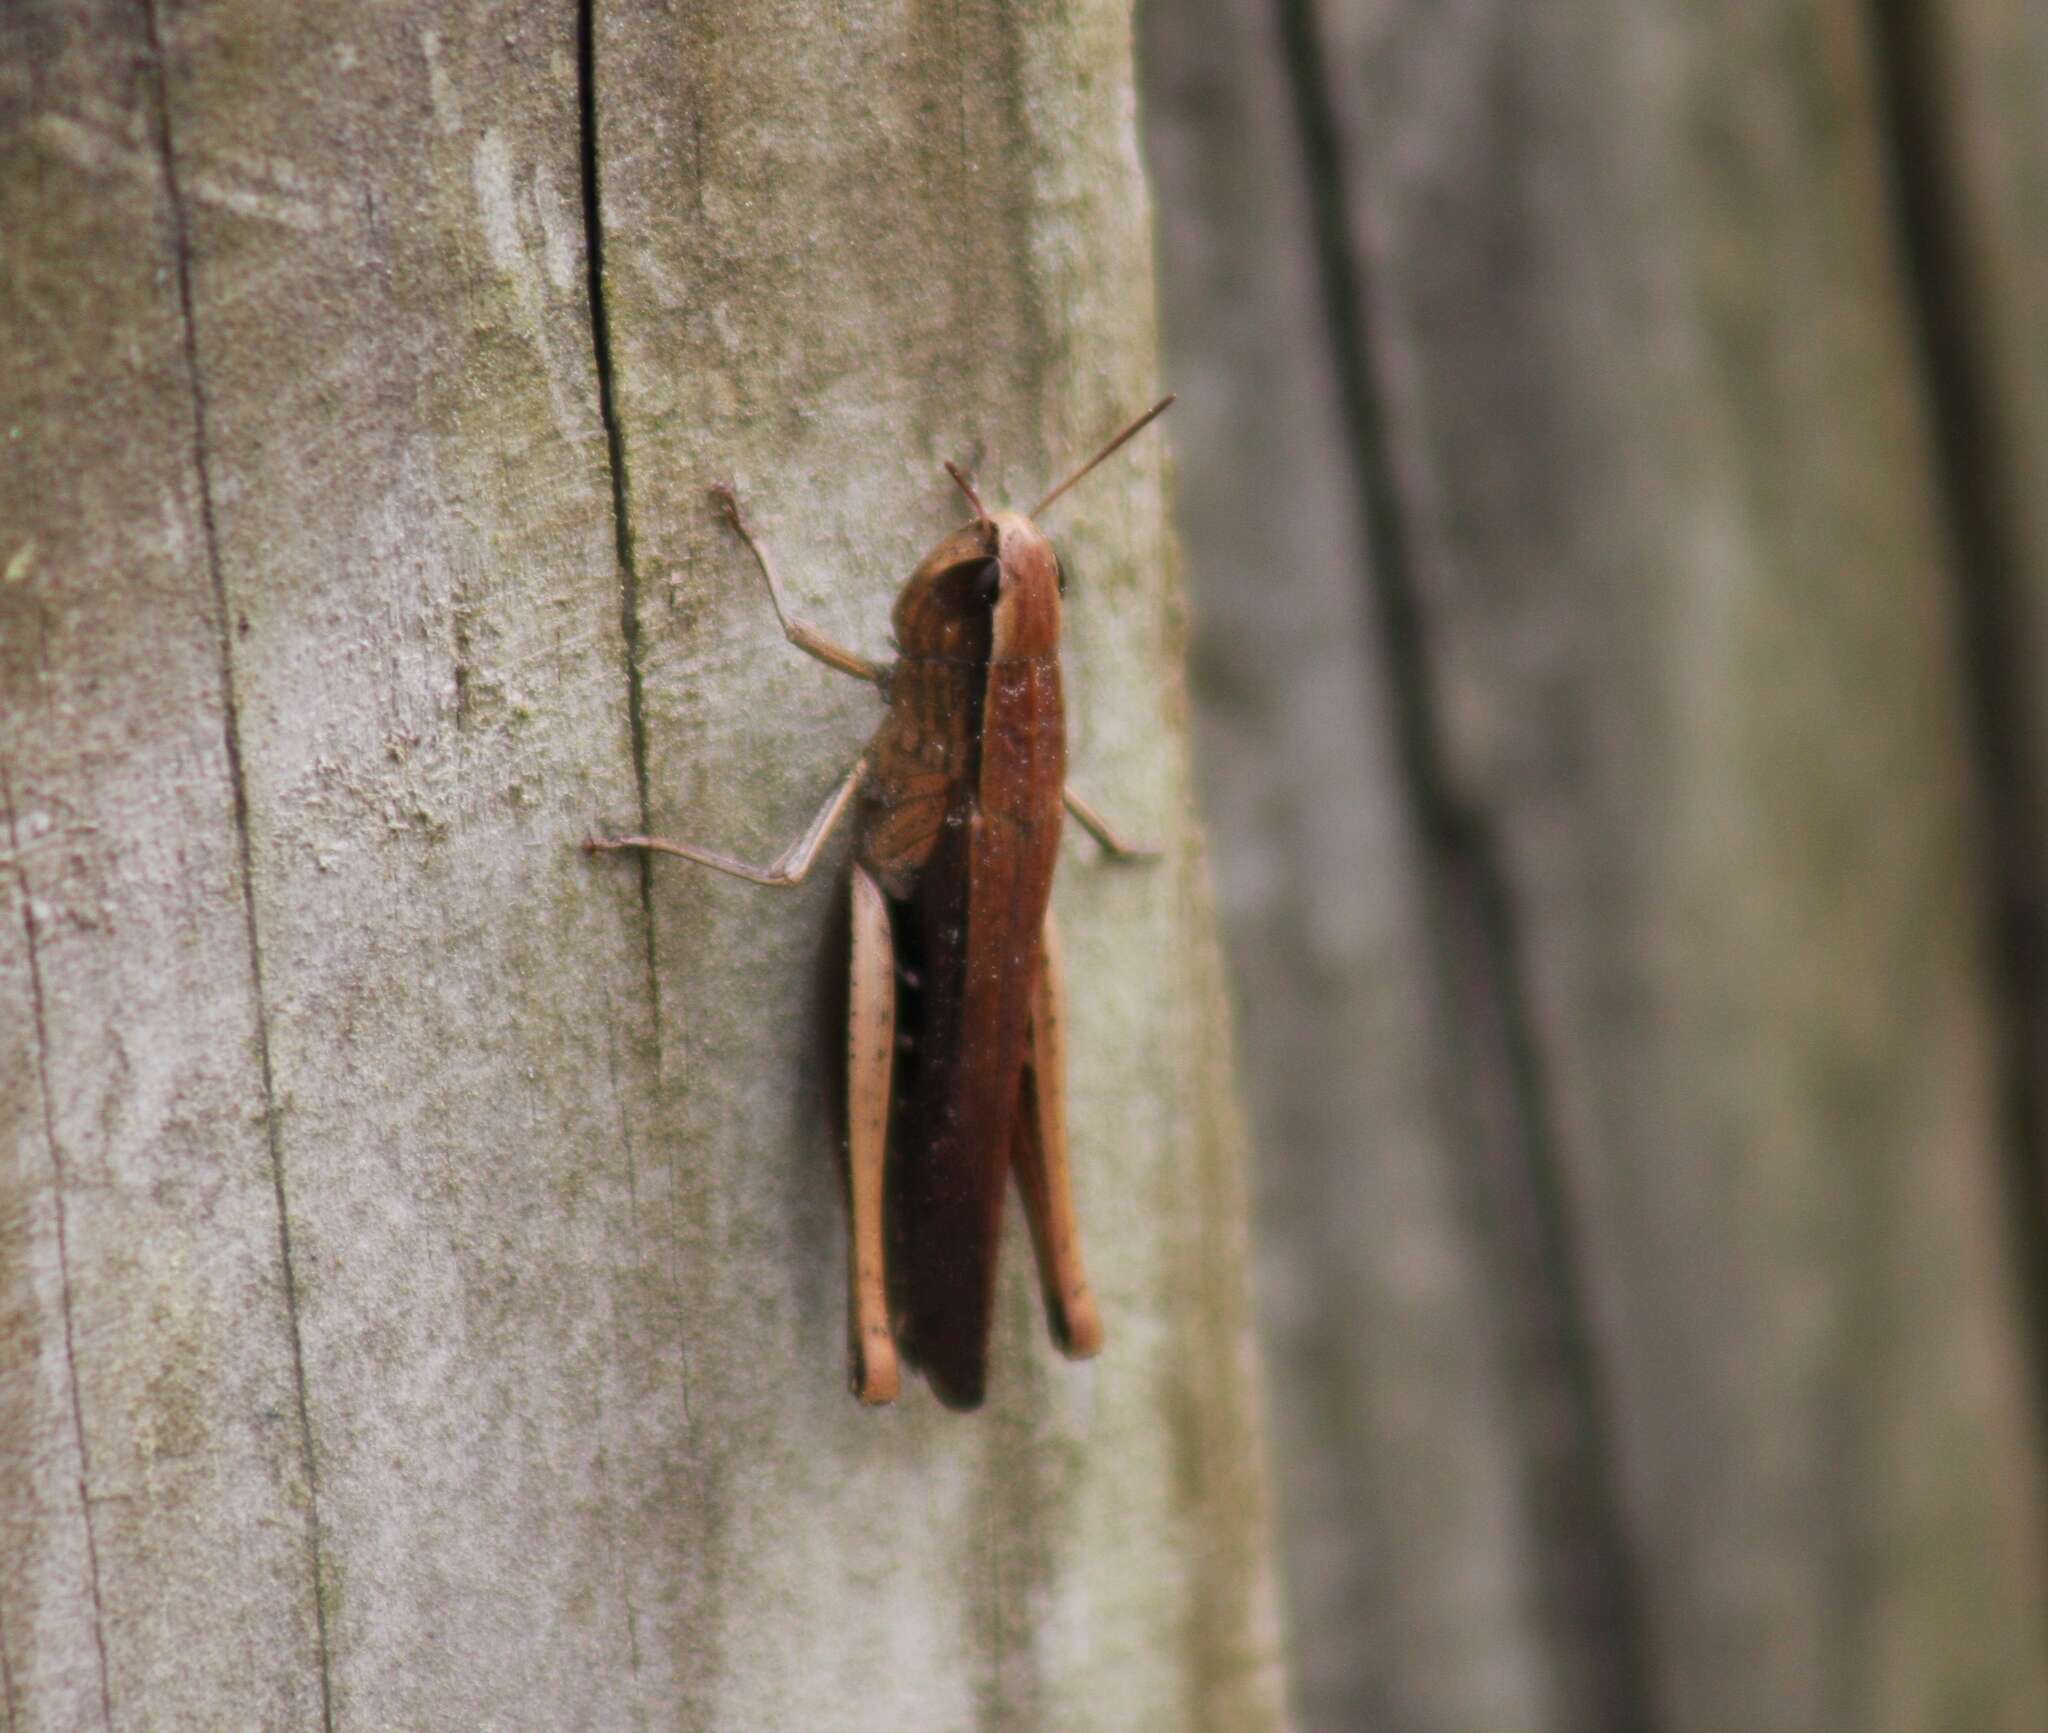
<point x="6" y="1678"/>
<point x="39" y="1006"/>
<point x="629" y="626"/>
<point x="615" y="448"/>
<point x="1947" y="312"/>
<point x="159" y="79"/>
<point x="1477" y="949"/>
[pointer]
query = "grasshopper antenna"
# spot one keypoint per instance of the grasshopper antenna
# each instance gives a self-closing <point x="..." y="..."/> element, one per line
<point x="965" y="483"/>
<point x="1115" y="445"/>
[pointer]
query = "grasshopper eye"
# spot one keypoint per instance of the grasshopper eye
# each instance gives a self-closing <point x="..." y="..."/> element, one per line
<point x="976" y="579"/>
<point x="1059" y="567"/>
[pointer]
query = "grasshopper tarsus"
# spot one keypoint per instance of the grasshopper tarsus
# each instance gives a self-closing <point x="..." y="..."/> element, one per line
<point x="1130" y="853"/>
<point x="1113" y="845"/>
<point x="728" y="500"/>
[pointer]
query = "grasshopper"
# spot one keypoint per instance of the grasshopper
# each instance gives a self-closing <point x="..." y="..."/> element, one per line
<point x="956" y="1044"/>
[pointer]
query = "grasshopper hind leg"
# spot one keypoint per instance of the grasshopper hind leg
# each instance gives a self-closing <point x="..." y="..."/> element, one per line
<point x="870" y="1056"/>
<point x="1039" y="1156"/>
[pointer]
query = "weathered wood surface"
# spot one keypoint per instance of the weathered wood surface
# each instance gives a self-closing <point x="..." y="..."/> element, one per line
<point x="1662" y="721"/>
<point x="421" y="1278"/>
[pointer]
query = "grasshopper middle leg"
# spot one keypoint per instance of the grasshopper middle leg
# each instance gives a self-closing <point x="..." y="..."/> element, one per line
<point x="788" y="868"/>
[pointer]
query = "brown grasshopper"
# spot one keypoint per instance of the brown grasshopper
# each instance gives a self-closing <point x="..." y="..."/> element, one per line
<point x="962" y="790"/>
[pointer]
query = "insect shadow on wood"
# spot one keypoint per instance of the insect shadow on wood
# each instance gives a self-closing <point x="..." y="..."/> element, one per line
<point x="956" y="1004"/>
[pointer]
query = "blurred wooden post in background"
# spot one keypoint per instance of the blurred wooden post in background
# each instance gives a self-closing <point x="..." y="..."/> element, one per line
<point x="1614" y="482"/>
<point x="421" y="1267"/>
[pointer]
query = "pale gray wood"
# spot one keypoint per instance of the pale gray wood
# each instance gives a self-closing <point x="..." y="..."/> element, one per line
<point x="413" y="514"/>
<point x="561" y="1192"/>
<point x="155" y="1529"/>
<point x="1415" y="1599"/>
<point x="1660" y="453"/>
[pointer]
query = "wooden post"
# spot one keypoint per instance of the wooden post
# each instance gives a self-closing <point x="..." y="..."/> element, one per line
<point x="421" y="1247"/>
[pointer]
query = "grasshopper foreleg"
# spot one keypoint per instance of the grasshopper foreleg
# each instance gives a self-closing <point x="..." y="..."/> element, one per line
<point x="798" y="631"/>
